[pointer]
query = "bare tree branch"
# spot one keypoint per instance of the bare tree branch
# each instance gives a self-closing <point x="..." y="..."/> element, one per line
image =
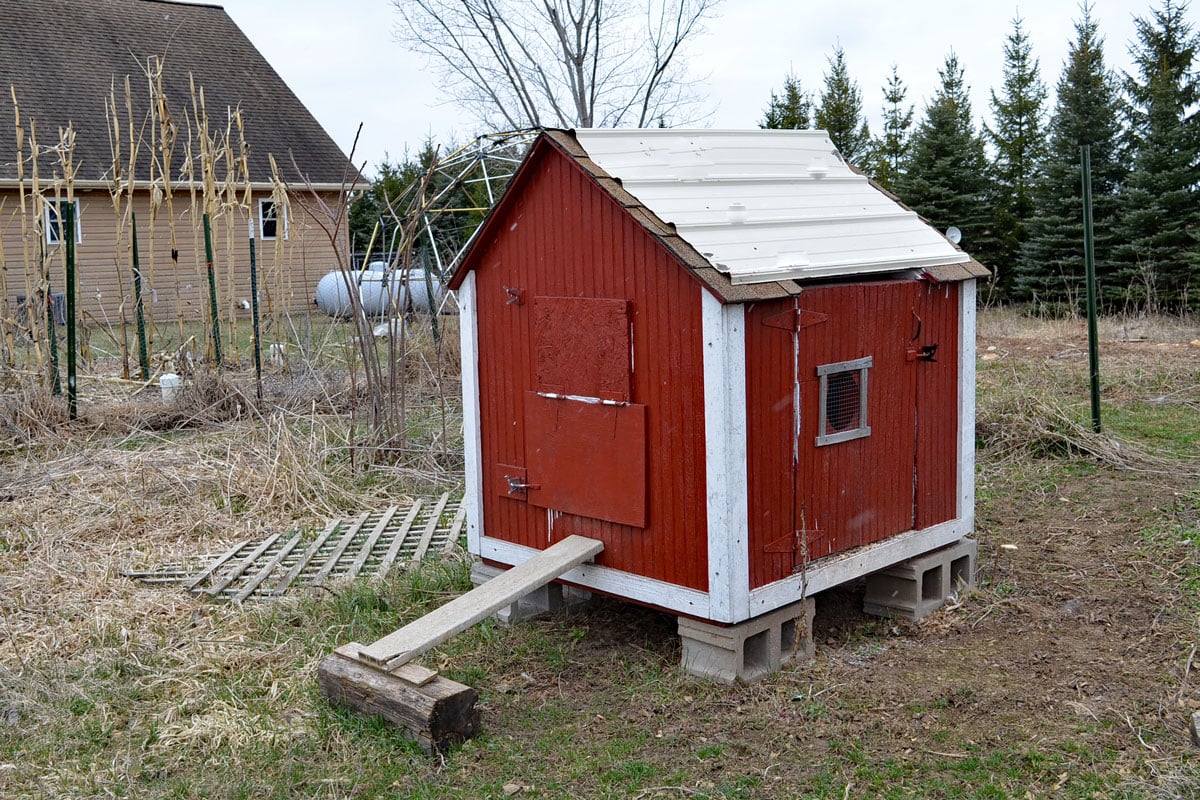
<point x="564" y="63"/>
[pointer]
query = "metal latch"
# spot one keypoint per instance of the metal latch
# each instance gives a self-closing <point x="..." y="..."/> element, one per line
<point x="517" y="486"/>
<point x="926" y="352"/>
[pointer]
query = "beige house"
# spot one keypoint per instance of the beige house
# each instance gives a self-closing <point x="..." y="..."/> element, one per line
<point x="158" y="111"/>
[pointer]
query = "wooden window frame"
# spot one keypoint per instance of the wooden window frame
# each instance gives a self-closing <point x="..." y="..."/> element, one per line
<point x="53" y="218"/>
<point x="862" y="367"/>
<point x="263" y="219"/>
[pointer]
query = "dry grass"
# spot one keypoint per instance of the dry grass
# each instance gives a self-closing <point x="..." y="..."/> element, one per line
<point x="1034" y="389"/>
<point x="1021" y="323"/>
<point x="138" y="482"/>
<point x="1020" y="421"/>
<point x="29" y="415"/>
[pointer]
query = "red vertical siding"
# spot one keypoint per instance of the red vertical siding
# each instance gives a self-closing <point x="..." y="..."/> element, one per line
<point x="561" y="236"/>
<point x="770" y="424"/>
<point x="937" y="407"/>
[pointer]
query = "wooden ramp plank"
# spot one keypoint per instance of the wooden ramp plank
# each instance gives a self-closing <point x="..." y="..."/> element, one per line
<point x="481" y="602"/>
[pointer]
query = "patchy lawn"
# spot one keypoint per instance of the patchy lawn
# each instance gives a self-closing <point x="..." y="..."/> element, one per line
<point x="1071" y="671"/>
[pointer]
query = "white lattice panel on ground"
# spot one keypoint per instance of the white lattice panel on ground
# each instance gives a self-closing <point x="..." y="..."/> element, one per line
<point x="371" y="544"/>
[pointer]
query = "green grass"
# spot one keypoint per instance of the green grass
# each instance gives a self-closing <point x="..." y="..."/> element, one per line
<point x="1172" y="428"/>
<point x="246" y="721"/>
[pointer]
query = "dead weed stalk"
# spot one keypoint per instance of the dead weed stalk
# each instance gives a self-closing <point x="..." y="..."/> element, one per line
<point x="1019" y="415"/>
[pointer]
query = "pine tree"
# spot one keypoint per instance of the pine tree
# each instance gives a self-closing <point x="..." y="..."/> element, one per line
<point x="840" y="111"/>
<point x="1019" y="143"/>
<point x="369" y="215"/>
<point x="1087" y="111"/>
<point x="946" y="181"/>
<point x="793" y="111"/>
<point x="890" y="151"/>
<point x="1159" y="203"/>
<point x="394" y="196"/>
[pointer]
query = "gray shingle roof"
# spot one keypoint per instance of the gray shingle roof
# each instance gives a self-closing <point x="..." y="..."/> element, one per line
<point x="62" y="57"/>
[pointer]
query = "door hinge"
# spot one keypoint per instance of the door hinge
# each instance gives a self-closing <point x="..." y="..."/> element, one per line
<point x="796" y="541"/>
<point x="795" y="319"/>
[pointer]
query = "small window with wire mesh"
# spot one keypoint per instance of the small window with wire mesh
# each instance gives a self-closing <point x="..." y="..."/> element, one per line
<point x="843" y="401"/>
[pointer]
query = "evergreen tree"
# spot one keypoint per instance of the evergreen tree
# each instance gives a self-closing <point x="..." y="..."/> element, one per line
<point x="946" y="181"/>
<point x="371" y="209"/>
<point x="840" y="111"/>
<point x="890" y="152"/>
<point x="1019" y="143"/>
<point x="792" y="111"/>
<point x="1087" y="111"/>
<point x="393" y="198"/>
<point x="1159" y="203"/>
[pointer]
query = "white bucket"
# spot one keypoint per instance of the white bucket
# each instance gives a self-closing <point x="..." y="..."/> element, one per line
<point x="169" y="383"/>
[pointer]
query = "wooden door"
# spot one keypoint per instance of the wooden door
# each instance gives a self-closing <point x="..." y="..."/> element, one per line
<point x="856" y="417"/>
<point x="585" y="441"/>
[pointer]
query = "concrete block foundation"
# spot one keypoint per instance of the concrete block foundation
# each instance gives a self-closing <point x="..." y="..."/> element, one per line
<point x="548" y="599"/>
<point x="749" y="650"/>
<point x="915" y="588"/>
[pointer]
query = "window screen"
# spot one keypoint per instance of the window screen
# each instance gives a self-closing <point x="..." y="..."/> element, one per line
<point x="843" y="401"/>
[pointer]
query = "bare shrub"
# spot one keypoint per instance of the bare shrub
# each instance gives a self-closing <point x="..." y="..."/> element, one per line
<point x="30" y="413"/>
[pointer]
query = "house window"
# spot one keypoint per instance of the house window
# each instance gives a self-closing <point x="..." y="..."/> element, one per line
<point x="268" y="220"/>
<point x="54" y="222"/>
<point x="843" y="401"/>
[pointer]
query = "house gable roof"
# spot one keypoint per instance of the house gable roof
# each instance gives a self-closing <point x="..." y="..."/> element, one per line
<point x="941" y="260"/>
<point x="64" y="63"/>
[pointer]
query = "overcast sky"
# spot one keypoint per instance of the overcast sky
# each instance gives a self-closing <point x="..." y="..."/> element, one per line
<point x="342" y="60"/>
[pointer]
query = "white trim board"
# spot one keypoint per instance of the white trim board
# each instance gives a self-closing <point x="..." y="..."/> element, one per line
<point x="824" y="574"/>
<point x="468" y="326"/>
<point x="966" y="405"/>
<point x="726" y="473"/>
<point x="842" y="567"/>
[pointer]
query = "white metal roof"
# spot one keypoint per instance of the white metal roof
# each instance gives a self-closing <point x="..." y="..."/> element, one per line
<point x="767" y="205"/>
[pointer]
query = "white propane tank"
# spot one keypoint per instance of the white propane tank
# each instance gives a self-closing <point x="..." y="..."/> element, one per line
<point x="379" y="291"/>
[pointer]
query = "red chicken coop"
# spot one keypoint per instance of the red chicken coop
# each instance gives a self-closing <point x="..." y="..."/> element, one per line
<point x="735" y="361"/>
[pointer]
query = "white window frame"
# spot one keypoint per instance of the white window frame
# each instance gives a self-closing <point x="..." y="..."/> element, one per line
<point x="861" y="366"/>
<point x="54" y="223"/>
<point x="262" y="219"/>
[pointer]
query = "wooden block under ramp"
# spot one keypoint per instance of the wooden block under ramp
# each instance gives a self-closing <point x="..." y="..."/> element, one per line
<point x="438" y="713"/>
<point x="481" y="602"/>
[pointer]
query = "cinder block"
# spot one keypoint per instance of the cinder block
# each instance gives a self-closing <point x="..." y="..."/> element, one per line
<point x="915" y="588"/>
<point x="544" y="600"/>
<point x="749" y="650"/>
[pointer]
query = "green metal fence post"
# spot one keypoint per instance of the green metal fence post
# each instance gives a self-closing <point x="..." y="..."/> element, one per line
<point x="212" y="291"/>
<point x="139" y="307"/>
<point x="1089" y="264"/>
<point x="67" y="231"/>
